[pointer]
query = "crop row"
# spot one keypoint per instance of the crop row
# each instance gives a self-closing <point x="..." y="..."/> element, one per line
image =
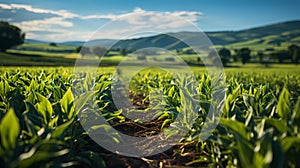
<point x="259" y="125"/>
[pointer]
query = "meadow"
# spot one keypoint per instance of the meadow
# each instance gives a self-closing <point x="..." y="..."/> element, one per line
<point x="259" y="125"/>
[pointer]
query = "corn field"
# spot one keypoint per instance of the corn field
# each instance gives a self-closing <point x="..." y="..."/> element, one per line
<point x="39" y="126"/>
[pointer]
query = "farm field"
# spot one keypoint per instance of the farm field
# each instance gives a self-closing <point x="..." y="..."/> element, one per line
<point x="259" y="125"/>
<point x="139" y="84"/>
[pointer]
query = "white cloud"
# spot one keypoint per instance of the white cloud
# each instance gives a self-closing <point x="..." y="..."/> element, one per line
<point x="61" y="24"/>
<point x="140" y="20"/>
<point x="141" y="16"/>
<point x="5" y="6"/>
<point x="62" y="13"/>
<point x="109" y="16"/>
<point x="43" y="25"/>
<point x="62" y="36"/>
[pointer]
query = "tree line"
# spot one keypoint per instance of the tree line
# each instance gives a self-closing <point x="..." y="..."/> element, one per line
<point x="291" y="55"/>
<point x="100" y="51"/>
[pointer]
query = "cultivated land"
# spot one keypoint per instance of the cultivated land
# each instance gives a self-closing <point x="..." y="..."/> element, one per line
<point x="259" y="125"/>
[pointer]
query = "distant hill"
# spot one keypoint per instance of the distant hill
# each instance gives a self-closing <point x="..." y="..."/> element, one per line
<point x="99" y="42"/>
<point x="281" y="32"/>
<point x="32" y="41"/>
<point x="72" y="43"/>
<point x="270" y="34"/>
<point x="275" y="34"/>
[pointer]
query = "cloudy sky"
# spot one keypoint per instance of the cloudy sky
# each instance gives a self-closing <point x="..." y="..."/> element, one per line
<point x="62" y="20"/>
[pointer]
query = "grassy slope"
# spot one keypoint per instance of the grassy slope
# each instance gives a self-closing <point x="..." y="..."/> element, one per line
<point x="49" y="59"/>
<point x="267" y="36"/>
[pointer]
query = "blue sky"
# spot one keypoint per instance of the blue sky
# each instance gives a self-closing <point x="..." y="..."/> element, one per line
<point x="62" y="20"/>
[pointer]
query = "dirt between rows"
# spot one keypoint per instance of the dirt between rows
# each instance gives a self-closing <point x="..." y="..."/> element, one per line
<point x="181" y="155"/>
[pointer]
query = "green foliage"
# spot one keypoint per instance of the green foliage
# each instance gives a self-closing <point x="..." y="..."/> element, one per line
<point x="284" y="104"/>
<point x="225" y="55"/>
<point x="10" y="129"/>
<point x="38" y="121"/>
<point x="259" y="126"/>
<point x="99" y="51"/>
<point x="244" y="54"/>
<point x="10" y="36"/>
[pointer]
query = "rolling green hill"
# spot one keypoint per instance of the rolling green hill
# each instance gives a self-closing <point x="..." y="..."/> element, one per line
<point x="275" y="35"/>
<point x="266" y="36"/>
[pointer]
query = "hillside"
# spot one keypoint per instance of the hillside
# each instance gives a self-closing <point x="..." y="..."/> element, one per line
<point x="275" y="34"/>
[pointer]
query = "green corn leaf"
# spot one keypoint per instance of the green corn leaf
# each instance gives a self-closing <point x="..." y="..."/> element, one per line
<point x="67" y="103"/>
<point x="100" y="88"/>
<point x="280" y="125"/>
<point x="44" y="107"/>
<point x="171" y="91"/>
<point x="32" y="86"/>
<point x="29" y="159"/>
<point x="283" y="107"/>
<point x="289" y="142"/>
<point x="265" y="145"/>
<point x="296" y="111"/>
<point x="230" y="99"/>
<point x="10" y="129"/>
<point x="81" y="101"/>
<point x="59" y="130"/>
<point x="167" y="121"/>
<point x="247" y="157"/>
<point x="4" y="87"/>
<point x="236" y="127"/>
<point x="245" y="152"/>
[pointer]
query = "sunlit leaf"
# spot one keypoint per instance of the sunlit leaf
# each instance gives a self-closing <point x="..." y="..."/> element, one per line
<point x="44" y="107"/>
<point x="236" y="127"/>
<point x="10" y="129"/>
<point x="284" y="104"/>
<point x="67" y="103"/>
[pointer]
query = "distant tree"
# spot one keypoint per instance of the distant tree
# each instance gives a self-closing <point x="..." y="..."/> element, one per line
<point x="260" y="55"/>
<point x="141" y="57"/>
<point x="100" y="51"/>
<point x="10" y="36"/>
<point x="235" y="58"/>
<point x="244" y="54"/>
<point x="178" y="51"/>
<point x="225" y="55"/>
<point x="170" y="59"/>
<point x="294" y="52"/>
<point x="278" y="44"/>
<point x="281" y="55"/>
<point x="83" y="50"/>
<point x="198" y="60"/>
<point x="53" y="44"/>
<point x="78" y="49"/>
<point x="123" y="51"/>
<point x="269" y="49"/>
<point x="261" y="59"/>
<point x="189" y="51"/>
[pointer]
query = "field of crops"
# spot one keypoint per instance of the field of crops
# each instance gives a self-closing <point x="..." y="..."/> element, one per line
<point x="40" y="127"/>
